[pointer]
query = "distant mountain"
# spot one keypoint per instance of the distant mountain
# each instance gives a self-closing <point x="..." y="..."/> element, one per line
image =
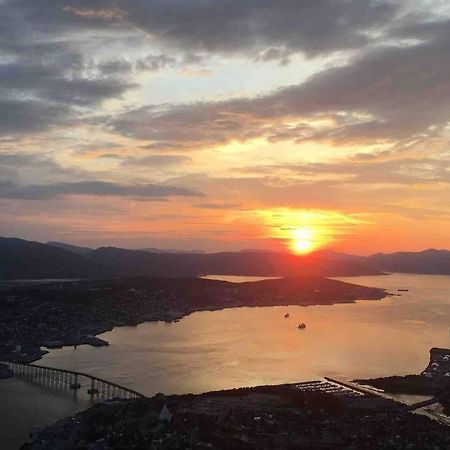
<point x="256" y="250"/>
<point x="71" y="248"/>
<point x="85" y="250"/>
<point x="33" y="260"/>
<point x="27" y="260"/>
<point x="429" y="261"/>
<point x="331" y="254"/>
<point x="171" y="250"/>
<point x="137" y="262"/>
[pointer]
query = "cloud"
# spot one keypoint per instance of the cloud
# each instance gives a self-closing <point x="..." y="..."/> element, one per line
<point x="44" y="76"/>
<point x="94" y="188"/>
<point x="19" y="116"/>
<point x="218" y="206"/>
<point x="156" y="161"/>
<point x="58" y="81"/>
<point x="21" y="160"/>
<point x="190" y="126"/>
<point x="149" y="63"/>
<point x="402" y="171"/>
<point x="387" y="94"/>
<point x="333" y="186"/>
<point x="227" y="27"/>
<point x="115" y="66"/>
<point x="45" y="64"/>
<point x="31" y="167"/>
<point x="152" y="63"/>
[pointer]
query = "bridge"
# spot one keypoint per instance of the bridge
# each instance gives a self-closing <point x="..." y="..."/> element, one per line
<point x="71" y="380"/>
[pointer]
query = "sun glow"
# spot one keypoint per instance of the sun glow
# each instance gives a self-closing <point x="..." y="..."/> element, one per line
<point x="303" y="240"/>
<point x="305" y="231"/>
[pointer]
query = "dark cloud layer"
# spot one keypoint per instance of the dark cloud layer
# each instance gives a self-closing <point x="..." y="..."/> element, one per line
<point x="19" y="116"/>
<point x="43" y="74"/>
<point x="96" y="188"/>
<point x="45" y="66"/>
<point x="228" y="26"/>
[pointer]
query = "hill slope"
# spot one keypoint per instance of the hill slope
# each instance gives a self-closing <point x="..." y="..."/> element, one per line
<point x="428" y="262"/>
<point x="71" y="248"/>
<point x="32" y="260"/>
<point x="136" y="262"/>
<point x="25" y="259"/>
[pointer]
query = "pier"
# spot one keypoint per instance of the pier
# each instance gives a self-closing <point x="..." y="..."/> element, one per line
<point x="98" y="388"/>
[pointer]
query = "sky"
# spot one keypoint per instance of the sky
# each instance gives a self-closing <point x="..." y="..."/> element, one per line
<point x="225" y="124"/>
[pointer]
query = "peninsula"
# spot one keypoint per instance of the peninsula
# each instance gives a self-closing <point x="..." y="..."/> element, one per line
<point x="71" y="313"/>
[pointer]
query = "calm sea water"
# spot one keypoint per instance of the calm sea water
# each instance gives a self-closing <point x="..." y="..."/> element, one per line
<point x="24" y="406"/>
<point x="250" y="346"/>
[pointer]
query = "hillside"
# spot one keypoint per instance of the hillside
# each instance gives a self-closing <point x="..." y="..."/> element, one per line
<point x="136" y="262"/>
<point x="429" y="261"/>
<point x="32" y="260"/>
<point x="71" y="248"/>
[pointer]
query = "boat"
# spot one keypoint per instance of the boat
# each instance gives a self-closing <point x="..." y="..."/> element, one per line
<point x="402" y="290"/>
<point x="286" y="315"/>
<point x="301" y="326"/>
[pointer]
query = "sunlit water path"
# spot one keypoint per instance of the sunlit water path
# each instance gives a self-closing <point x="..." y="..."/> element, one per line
<point x="249" y="346"/>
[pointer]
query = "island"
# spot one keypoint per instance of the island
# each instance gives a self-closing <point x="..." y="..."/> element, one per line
<point x="72" y="313"/>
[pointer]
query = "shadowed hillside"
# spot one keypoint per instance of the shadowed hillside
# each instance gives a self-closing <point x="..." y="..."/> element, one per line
<point x="135" y="262"/>
<point x="429" y="261"/>
<point x="27" y="260"/>
<point x="32" y="260"/>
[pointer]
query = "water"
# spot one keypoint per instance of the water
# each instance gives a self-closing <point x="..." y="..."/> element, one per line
<point x="24" y="406"/>
<point x="250" y="346"/>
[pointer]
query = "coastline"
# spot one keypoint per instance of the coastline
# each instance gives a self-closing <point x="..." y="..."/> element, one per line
<point x="317" y="414"/>
<point x="59" y="315"/>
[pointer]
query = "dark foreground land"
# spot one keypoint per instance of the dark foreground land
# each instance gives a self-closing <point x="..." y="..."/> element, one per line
<point x="72" y="313"/>
<point x="270" y="417"/>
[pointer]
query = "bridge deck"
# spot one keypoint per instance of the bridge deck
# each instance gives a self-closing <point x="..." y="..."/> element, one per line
<point x="14" y="365"/>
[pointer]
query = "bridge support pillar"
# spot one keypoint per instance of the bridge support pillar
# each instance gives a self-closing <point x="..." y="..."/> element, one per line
<point x="93" y="390"/>
<point x="75" y="385"/>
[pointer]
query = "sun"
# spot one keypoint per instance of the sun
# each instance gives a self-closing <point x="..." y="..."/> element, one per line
<point x="302" y="240"/>
<point x="303" y="231"/>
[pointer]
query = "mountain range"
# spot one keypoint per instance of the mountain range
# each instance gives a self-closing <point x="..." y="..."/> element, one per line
<point x="22" y="259"/>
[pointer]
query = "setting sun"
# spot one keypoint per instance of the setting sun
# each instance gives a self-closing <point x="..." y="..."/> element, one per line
<point x="304" y="231"/>
<point x="303" y="240"/>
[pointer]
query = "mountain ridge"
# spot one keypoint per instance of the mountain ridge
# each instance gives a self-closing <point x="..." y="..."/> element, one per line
<point x="23" y="259"/>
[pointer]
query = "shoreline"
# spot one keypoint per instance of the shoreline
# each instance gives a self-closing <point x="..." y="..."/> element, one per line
<point x="173" y="319"/>
<point x="80" y="311"/>
<point x="315" y="414"/>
